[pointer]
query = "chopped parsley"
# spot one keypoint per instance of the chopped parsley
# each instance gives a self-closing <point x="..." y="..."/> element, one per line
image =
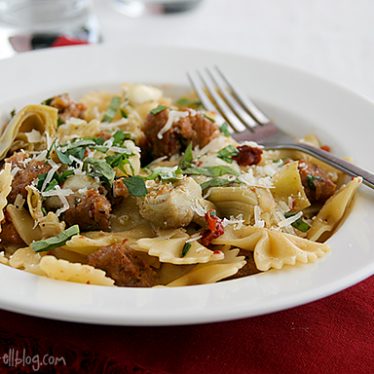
<point x="158" y="109"/>
<point x="119" y="137"/>
<point x="185" y="249"/>
<point x="310" y="181"/>
<point x="55" y="241"/>
<point x="12" y="113"/>
<point x="135" y="185"/>
<point x="112" y="110"/>
<point x="227" y="153"/>
<point x="166" y="174"/>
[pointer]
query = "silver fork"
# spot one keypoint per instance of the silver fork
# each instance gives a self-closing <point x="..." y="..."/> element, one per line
<point x="247" y="122"/>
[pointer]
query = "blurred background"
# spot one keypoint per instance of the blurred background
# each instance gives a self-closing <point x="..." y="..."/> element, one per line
<point x="333" y="39"/>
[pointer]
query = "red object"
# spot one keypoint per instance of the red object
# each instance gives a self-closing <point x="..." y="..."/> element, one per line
<point x="63" y="41"/>
<point x="248" y="155"/>
<point x="326" y="148"/>
<point x="214" y="230"/>
<point x="333" y="335"/>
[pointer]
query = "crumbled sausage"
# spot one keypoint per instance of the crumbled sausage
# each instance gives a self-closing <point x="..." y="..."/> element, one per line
<point x="9" y="234"/>
<point x="67" y="107"/>
<point x="23" y="178"/>
<point x="123" y="265"/>
<point x="317" y="184"/>
<point x="196" y="129"/>
<point x="90" y="211"/>
<point x="248" y="155"/>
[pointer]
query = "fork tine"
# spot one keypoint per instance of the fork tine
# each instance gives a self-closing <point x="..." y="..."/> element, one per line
<point x="225" y="110"/>
<point x="199" y="89"/>
<point x="247" y="103"/>
<point x="232" y="101"/>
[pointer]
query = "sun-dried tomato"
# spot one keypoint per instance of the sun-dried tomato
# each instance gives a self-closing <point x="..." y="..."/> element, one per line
<point x="248" y="155"/>
<point x="214" y="230"/>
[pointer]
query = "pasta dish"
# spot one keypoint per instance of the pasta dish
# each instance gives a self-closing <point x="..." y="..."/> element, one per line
<point x="134" y="189"/>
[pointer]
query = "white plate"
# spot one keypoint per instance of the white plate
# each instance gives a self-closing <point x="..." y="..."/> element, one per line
<point x="297" y="101"/>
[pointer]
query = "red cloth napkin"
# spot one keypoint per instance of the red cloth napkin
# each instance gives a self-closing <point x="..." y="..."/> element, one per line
<point x="333" y="335"/>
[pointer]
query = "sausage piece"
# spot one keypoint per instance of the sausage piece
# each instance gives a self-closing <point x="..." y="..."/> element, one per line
<point x="122" y="264"/>
<point x="67" y="107"/>
<point x="195" y="129"/>
<point x="317" y="184"/>
<point x="90" y="212"/>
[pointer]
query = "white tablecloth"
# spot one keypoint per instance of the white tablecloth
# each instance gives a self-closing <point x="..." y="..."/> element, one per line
<point x="331" y="38"/>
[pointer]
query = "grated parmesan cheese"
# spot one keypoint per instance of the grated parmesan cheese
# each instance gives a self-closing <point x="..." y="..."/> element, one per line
<point x="236" y="221"/>
<point x="257" y="216"/>
<point x="48" y="178"/>
<point x="290" y="220"/>
<point x="174" y="116"/>
<point x="33" y="136"/>
<point x="58" y="192"/>
<point x="194" y="238"/>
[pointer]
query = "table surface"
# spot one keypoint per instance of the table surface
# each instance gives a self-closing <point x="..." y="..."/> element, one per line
<point x="333" y="39"/>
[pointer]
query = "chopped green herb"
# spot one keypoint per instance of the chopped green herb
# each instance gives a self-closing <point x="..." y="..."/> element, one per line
<point x="84" y="142"/>
<point x="227" y="153"/>
<point x="63" y="157"/>
<point x="224" y="128"/>
<point x="185" y="249"/>
<point x="158" y="109"/>
<point x="112" y="110"/>
<point x="41" y="179"/>
<point x="60" y="121"/>
<point x="215" y="182"/>
<point x="119" y="137"/>
<point x="100" y="168"/>
<point x="123" y="113"/>
<point x="119" y="160"/>
<point x="166" y="173"/>
<point x="12" y="113"/>
<point x="310" y="181"/>
<point x="64" y="175"/>
<point x="47" y="101"/>
<point x="211" y="171"/>
<point x="300" y="224"/>
<point x="190" y="103"/>
<point x="55" y="241"/>
<point x="187" y="158"/>
<point x="51" y="148"/>
<point x="135" y="185"/>
<point x="51" y="185"/>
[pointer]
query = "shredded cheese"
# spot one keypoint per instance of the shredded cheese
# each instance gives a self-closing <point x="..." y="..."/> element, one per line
<point x="257" y="216"/>
<point x="174" y="116"/>
<point x="194" y="238"/>
<point x="51" y="172"/>
<point x="33" y="136"/>
<point x="290" y="220"/>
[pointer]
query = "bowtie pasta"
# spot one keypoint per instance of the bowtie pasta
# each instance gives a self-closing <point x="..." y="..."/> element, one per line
<point x="134" y="189"/>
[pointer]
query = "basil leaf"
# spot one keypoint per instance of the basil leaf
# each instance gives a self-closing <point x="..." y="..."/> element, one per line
<point x="64" y="158"/>
<point x="112" y="110"/>
<point x="136" y="186"/>
<point x="166" y="173"/>
<point x="158" y="109"/>
<point x="224" y="128"/>
<point x="187" y="158"/>
<point x="227" y="153"/>
<point x="211" y="171"/>
<point x="310" y="181"/>
<point x="215" y="182"/>
<point x="185" y="249"/>
<point x="77" y="143"/>
<point x="13" y="113"/>
<point x="300" y="224"/>
<point x="100" y="168"/>
<point x="55" y="241"/>
<point x="47" y="101"/>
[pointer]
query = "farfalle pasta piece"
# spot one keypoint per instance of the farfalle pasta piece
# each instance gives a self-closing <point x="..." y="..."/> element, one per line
<point x="85" y="245"/>
<point x="213" y="271"/>
<point x="232" y="201"/>
<point x="5" y="188"/>
<point x="50" y="225"/>
<point x="54" y="268"/>
<point x="24" y="224"/>
<point x="273" y="249"/>
<point x="40" y="118"/>
<point x="333" y="210"/>
<point x="170" y="250"/>
<point x="287" y="183"/>
<point x="22" y="258"/>
<point x="78" y="128"/>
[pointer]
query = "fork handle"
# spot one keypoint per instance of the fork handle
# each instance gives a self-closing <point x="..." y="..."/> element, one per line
<point x="342" y="165"/>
